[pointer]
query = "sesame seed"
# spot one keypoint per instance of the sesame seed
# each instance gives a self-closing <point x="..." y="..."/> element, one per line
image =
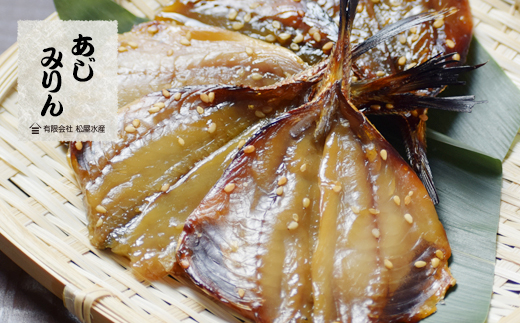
<point x="306" y="202"/>
<point x="439" y="254"/>
<point x="211" y="97"/>
<point x="293" y="225"/>
<point x="389" y="106"/>
<point x="420" y="264"/>
<point x="204" y="98"/>
<point x="415" y="37"/>
<point x="298" y="38"/>
<point x="435" y="262"/>
<point x="166" y="93"/>
<point x="402" y="39"/>
<point x="336" y="188"/>
<point x="407" y="199"/>
<point x="276" y="24"/>
<point x="316" y="36"/>
<point x="397" y="200"/>
<point x="259" y="114"/>
<point x="294" y="46"/>
<point x="185" y="41"/>
<point x="438" y="23"/>
<point x="359" y="8"/>
<point x="355" y="209"/>
<point x="375" y="233"/>
<point x="99" y="222"/>
<point x="130" y="128"/>
<point x="388" y="264"/>
<point x="301" y="13"/>
<point x="303" y="168"/>
<point x="384" y="154"/>
<point x="374" y="211"/>
<point x="410" y="193"/>
<point x="132" y="44"/>
<point x="255" y="5"/>
<point x="160" y="105"/>
<point x="279" y="191"/>
<point x="241" y="143"/>
<point x="237" y="25"/>
<point x="247" y="17"/>
<point x="249" y="149"/>
<point x="401" y="61"/>
<point x="212" y="127"/>
<point x="413" y="30"/>
<point x="411" y="65"/>
<point x="136" y="123"/>
<point x="232" y="14"/>
<point x="380" y="73"/>
<point x="313" y="30"/>
<point x="249" y="51"/>
<point x="450" y="43"/>
<point x="267" y="110"/>
<point x="375" y="1"/>
<point x="153" y="109"/>
<point x="234" y="245"/>
<point x="200" y="110"/>
<point x="177" y="96"/>
<point x="185" y="263"/>
<point x="270" y="38"/>
<point x="229" y="188"/>
<point x="122" y="49"/>
<point x="375" y="107"/>
<point x="296" y="0"/>
<point x="456" y="57"/>
<point x="153" y="29"/>
<point x="79" y="145"/>
<point x="251" y="106"/>
<point x="408" y="217"/>
<point x="295" y="217"/>
<point x="169" y="52"/>
<point x="165" y="187"/>
<point x="327" y="46"/>
<point x="241" y="292"/>
<point x="181" y="141"/>
<point x="101" y="209"/>
<point x="354" y="78"/>
<point x="284" y="36"/>
<point x="256" y="76"/>
<point x="282" y="181"/>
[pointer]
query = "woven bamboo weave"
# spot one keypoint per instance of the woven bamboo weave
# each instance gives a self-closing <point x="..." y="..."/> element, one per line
<point x="43" y="221"/>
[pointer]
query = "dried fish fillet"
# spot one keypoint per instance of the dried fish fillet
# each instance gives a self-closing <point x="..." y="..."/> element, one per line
<point x="379" y="253"/>
<point x="157" y="55"/>
<point x="161" y="141"/>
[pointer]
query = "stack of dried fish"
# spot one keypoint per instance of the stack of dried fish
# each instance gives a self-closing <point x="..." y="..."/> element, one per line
<point x="288" y="203"/>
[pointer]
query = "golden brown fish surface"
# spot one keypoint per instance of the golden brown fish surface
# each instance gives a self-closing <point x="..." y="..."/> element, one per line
<point x="167" y="145"/>
<point x="157" y="55"/>
<point x="319" y="201"/>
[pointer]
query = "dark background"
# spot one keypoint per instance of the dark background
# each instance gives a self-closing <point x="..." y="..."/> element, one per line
<point x="23" y="299"/>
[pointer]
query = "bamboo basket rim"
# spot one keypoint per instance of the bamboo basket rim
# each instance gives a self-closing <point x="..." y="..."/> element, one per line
<point x="55" y="250"/>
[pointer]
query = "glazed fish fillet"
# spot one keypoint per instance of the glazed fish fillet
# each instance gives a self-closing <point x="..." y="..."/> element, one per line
<point x="157" y="55"/>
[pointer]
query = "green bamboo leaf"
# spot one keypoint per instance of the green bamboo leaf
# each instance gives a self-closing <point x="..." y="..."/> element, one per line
<point x="97" y="10"/>
<point x="491" y="127"/>
<point x="469" y="210"/>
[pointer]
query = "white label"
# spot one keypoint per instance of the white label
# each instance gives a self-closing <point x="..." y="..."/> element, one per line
<point x="67" y="80"/>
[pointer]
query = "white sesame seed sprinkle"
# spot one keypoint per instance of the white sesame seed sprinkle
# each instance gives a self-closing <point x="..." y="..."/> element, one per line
<point x="101" y="209"/>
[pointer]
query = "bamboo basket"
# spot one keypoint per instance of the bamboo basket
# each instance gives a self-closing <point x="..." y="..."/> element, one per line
<point x="43" y="221"/>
